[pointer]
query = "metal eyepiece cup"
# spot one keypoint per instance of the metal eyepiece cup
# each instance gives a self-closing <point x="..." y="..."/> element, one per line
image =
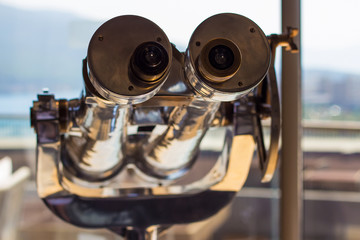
<point x="149" y="61"/>
<point x="219" y="60"/>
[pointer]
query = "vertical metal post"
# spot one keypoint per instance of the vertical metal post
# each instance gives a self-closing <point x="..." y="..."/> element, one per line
<point x="291" y="202"/>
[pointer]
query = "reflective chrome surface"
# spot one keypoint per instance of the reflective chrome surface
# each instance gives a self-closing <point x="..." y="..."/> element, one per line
<point x="177" y="147"/>
<point x="126" y="154"/>
<point x="95" y="149"/>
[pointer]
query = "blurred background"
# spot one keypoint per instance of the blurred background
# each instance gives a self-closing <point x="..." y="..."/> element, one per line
<point x="42" y="45"/>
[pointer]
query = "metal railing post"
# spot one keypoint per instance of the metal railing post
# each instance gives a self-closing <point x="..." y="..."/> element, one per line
<point x="291" y="202"/>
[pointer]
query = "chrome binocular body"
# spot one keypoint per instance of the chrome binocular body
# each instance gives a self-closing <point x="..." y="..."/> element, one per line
<point x="126" y="155"/>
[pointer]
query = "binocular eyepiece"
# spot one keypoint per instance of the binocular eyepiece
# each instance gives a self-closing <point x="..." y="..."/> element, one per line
<point x="150" y="61"/>
<point x="228" y="55"/>
<point x="221" y="57"/>
<point x="219" y="60"/>
<point x="130" y="57"/>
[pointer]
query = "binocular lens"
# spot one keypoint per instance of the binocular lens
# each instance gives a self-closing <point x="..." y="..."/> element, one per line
<point x="152" y="56"/>
<point x="219" y="60"/>
<point x="221" y="57"/>
<point x="150" y="59"/>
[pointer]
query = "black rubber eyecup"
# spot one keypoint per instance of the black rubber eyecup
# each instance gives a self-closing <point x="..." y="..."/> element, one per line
<point x="221" y="57"/>
<point x="150" y="61"/>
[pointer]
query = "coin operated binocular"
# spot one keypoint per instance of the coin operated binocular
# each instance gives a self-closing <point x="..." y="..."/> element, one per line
<point x="125" y="155"/>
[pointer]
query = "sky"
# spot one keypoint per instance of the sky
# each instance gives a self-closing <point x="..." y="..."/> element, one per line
<point x="329" y="28"/>
<point x="177" y="20"/>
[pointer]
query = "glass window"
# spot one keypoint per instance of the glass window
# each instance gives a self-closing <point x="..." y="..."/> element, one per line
<point x="331" y="108"/>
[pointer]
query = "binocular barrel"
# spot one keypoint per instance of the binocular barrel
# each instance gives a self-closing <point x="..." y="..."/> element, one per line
<point x="130" y="57"/>
<point x="227" y="57"/>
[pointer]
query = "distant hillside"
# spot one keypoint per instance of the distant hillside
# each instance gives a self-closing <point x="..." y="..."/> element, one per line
<point x="38" y="49"/>
<point x="45" y="49"/>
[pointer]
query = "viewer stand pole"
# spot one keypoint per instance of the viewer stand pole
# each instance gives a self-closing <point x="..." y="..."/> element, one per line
<point x="291" y="202"/>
